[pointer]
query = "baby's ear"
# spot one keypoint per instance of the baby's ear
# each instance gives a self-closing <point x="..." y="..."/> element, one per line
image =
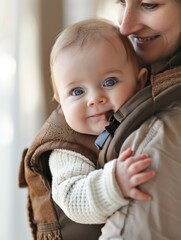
<point x="56" y="97"/>
<point x="142" y="78"/>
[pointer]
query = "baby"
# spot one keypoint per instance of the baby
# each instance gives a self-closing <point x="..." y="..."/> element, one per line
<point x="94" y="72"/>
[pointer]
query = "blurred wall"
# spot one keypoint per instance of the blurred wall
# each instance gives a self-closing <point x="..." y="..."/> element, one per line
<point x="51" y="23"/>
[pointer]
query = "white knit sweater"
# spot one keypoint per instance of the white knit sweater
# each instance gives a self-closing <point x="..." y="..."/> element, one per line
<point x="85" y="194"/>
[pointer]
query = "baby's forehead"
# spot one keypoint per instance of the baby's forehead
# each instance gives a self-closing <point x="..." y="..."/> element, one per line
<point x="94" y="40"/>
<point x="117" y="43"/>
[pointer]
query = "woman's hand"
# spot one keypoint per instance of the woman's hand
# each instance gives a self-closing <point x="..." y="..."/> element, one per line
<point x="131" y="172"/>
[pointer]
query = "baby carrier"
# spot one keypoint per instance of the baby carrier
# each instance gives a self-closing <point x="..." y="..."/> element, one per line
<point x="47" y="220"/>
<point x="164" y="90"/>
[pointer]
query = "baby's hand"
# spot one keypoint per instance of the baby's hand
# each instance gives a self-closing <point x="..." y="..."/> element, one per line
<point x="130" y="174"/>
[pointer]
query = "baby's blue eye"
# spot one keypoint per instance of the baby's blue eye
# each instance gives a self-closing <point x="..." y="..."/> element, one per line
<point x="77" y="91"/>
<point x="109" y="82"/>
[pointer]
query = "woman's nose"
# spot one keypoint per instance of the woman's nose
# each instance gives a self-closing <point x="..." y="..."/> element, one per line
<point x="96" y="100"/>
<point x="129" y="21"/>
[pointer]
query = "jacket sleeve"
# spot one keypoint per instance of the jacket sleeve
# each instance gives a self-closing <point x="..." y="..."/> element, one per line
<point x="85" y="194"/>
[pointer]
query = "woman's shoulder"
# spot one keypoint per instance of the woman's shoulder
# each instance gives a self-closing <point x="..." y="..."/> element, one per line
<point x="158" y="129"/>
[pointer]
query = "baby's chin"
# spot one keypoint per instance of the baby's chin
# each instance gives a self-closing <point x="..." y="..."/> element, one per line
<point x="94" y="129"/>
<point x="99" y="128"/>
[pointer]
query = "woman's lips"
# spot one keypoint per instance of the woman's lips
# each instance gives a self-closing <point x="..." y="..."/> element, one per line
<point x="144" y="41"/>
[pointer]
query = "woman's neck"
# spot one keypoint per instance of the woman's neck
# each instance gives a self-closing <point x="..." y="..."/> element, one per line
<point x="167" y="63"/>
<point x="158" y="66"/>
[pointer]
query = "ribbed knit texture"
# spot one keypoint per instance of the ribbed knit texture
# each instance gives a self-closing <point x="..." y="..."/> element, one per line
<point x="85" y="194"/>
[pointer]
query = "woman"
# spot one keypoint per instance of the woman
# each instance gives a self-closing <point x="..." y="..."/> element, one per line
<point x="155" y="30"/>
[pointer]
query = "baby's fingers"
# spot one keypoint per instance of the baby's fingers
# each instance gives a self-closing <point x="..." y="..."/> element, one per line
<point x="141" y="178"/>
<point x="139" y="166"/>
<point x="139" y="195"/>
<point x="125" y="154"/>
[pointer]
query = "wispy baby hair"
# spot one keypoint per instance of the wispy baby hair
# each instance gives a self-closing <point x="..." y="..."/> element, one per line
<point x="87" y="31"/>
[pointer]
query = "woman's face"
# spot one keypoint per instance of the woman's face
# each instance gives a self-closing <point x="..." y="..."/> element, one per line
<point x="153" y="25"/>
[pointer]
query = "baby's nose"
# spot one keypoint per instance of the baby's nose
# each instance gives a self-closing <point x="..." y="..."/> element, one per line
<point x="96" y="100"/>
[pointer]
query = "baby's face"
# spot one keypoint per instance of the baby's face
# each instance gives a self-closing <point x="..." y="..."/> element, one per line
<point x="92" y="81"/>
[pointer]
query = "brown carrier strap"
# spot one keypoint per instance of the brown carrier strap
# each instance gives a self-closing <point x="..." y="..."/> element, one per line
<point x="43" y="214"/>
<point x="140" y="107"/>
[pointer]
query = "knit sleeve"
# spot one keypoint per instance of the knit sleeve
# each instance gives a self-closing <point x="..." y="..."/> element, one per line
<point x="85" y="194"/>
